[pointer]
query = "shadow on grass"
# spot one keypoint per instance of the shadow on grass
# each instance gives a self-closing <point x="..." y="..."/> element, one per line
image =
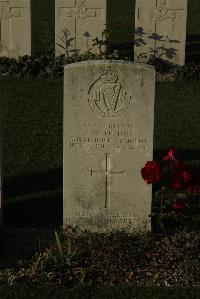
<point x="33" y="183"/>
<point x="33" y="200"/>
<point x="193" y="48"/>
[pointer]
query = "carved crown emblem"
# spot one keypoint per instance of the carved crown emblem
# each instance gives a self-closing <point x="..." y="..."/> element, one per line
<point x="109" y="76"/>
<point x="81" y="8"/>
<point x="5" y="9"/>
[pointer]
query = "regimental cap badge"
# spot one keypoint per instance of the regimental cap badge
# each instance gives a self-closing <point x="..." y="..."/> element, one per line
<point x="107" y="96"/>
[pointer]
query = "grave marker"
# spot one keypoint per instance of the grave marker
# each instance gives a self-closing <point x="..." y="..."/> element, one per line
<point x="108" y="137"/>
<point x="84" y="20"/>
<point x="161" y="29"/>
<point x="15" y="28"/>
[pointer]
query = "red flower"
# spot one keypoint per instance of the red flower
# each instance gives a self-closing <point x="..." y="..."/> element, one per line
<point x="193" y="189"/>
<point x="179" y="206"/>
<point x="181" y="174"/>
<point x="177" y="185"/>
<point x="171" y="155"/>
<point x="186" y="175"/>
<point x="151" y="173"/>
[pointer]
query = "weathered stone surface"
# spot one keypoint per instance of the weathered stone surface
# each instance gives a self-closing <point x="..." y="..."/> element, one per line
<point x="108" y="137"/>
<point x="84" y="21"/>
<point x="15" y="28"/>
<point x="161" y="29"/>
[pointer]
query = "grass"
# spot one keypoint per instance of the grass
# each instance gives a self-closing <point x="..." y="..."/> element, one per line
<point x="23" y="291"/>
<point x="32" y="120"/>
<point x="77" y="258"/>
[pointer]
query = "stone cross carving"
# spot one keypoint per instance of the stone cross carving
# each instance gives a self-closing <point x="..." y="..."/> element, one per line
<point x="162" y="13"/>
<point x="107" y="173"/>
<point x="6" y="12"/>
<point x="79" y="12"/>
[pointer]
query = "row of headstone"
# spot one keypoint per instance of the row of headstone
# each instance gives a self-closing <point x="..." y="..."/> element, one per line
<point x="107" y="134"/>
<point x="160" y="27"/>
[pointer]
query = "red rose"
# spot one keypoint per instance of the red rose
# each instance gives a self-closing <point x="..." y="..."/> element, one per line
<point x="181" y="174"/>
<point x="177" y="185"/>
<point x="151" y="173"/>
<point x="186" y="175"/>
<point x="193" y="189"/>
<point x="171" y="155"/>
<point x="179" y="206"/>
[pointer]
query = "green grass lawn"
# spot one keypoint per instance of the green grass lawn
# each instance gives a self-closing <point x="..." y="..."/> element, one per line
<point x="32" y="141"/>
<point x="23" y="291"/>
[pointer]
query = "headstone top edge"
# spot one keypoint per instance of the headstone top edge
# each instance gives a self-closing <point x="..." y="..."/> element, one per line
<point x="102" y="62"/>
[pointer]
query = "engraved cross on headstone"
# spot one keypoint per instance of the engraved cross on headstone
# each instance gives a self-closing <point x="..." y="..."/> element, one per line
<point x="107" y="173"/>
<point x="160" y="14"/>
<point x="6" y="12"/>
<point x="78" y="12"/>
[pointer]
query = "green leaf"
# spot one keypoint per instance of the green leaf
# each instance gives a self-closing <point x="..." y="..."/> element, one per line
<point x="196" y="217"/>
<point x="59" y="246"/>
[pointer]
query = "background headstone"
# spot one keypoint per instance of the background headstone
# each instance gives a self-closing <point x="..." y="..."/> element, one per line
<point x="160" y="30"/>
<point x="83" y="20"/>
<point x="15" y="34"/>
<point x="108" y="137"/>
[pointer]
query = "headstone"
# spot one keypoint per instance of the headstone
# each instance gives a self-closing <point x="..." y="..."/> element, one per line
<point x="160" y="27"/>
<point x="83" y="21"/>
<point x="15" y="28"/>
<point x="108" y="137"/>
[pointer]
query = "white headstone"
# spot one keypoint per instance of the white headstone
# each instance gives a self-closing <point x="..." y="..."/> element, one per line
<point x="15" y="28"/>
<point x="108" y="137"/>
<point x="161" y="29"/>
<point x="84" y="21"/>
